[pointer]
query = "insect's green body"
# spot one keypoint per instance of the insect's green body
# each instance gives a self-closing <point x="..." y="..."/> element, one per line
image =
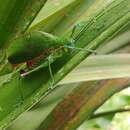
<point x="32" y="45"/>
<point x="37" y="47"/>
<point x="41" y="49"/>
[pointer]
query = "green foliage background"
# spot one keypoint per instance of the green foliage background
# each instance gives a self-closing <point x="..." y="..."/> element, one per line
<point x="58" y="18"/>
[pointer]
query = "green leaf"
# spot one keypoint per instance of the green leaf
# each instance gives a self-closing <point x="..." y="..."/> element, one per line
<point x="81" y="103"/>
<point x="116" y="44"/>
<point x="16" y="16"/>
<point x="100" y="67"/>
<point x="63" y="19"/>
<point x="34" y="86"/>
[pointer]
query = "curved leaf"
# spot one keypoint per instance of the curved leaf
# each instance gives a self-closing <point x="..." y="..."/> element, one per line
<point x="16" y="16"/>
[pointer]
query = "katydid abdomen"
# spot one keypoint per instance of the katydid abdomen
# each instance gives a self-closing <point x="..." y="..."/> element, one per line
<point x="32" y="45"/>
<point x="34" y="48"/>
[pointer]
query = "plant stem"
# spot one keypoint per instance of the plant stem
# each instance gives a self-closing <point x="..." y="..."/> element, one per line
<point x="107" y="113"/>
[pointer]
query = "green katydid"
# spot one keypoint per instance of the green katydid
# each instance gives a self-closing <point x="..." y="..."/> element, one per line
<point x="41" y="48"/>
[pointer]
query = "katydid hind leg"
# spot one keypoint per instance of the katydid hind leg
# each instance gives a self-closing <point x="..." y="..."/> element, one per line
<point x="50" y="71"/>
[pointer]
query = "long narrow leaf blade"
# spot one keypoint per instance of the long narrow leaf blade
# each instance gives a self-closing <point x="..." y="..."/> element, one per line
<point x="80" y="104"/>
<point x="99" y="68"/>
<point x="16" y="16"/>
